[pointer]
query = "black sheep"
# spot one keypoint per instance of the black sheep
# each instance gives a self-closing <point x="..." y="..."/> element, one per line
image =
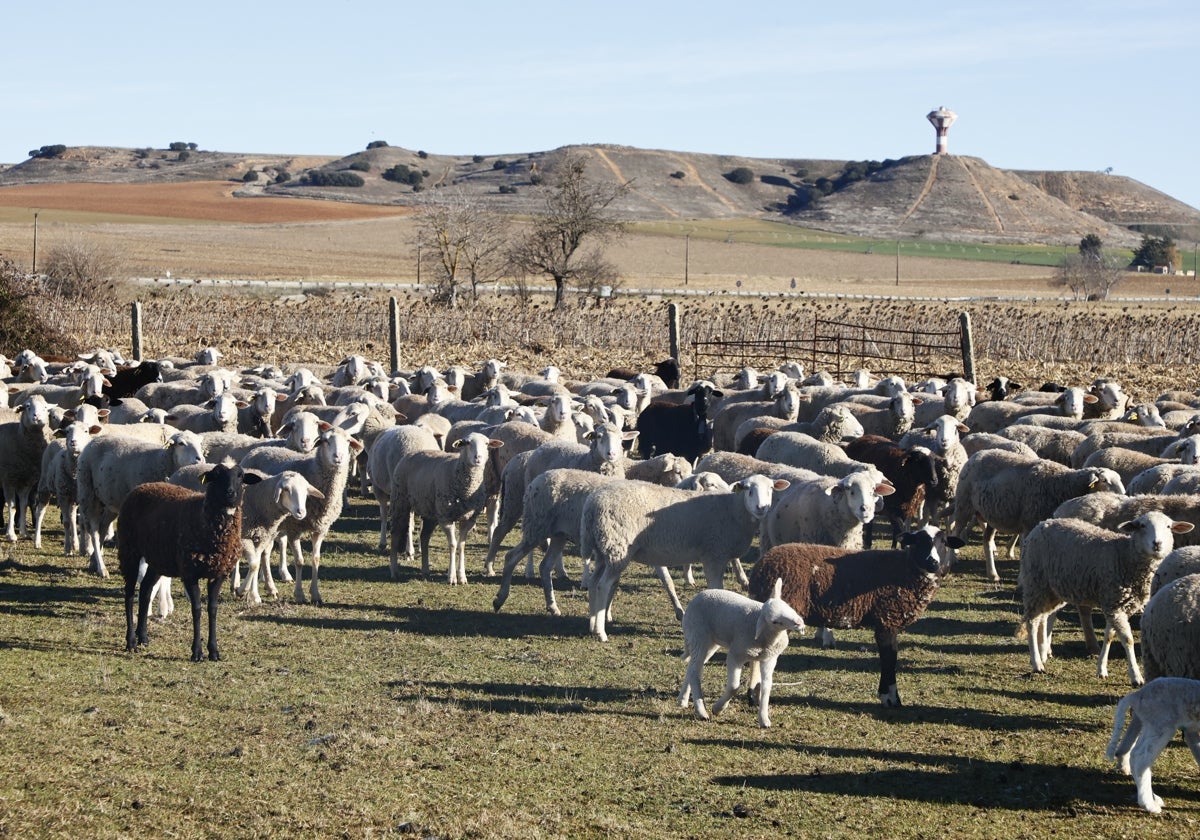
<point x="683" y="430"/>
<point x="170" y="531"/>
<point x="667" y="370"/>
<point x="127" y="380"/>
<point x="913" y="472"/>
<point x="883" y="590"/>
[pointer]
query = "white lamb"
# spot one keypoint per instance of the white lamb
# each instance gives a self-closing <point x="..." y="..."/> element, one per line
<point x="1157" y="710"/>
<point x="1068" y="561"/>
<point x="752" y="633"/>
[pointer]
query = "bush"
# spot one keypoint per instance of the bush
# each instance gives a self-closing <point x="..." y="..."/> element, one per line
<point x="679" y="174"/>
<point x="23" y="315"/>
<point x="507" y="189"/>
<point x="500" y="163"/>
<point x="537" y="179"/>
<point x="422" y="154"/>
<point x="741" y="175"/>
<point x="377" y="144"/>
<point x="477" y="158"/>
<point x="180" y="146"/>
<point x="360" y="166"/>
<point x="183" y="155"/>
<point x="251" y="176"/>
<point x="323" y="178"/>
<point x="48" y="151"/>
<point x="142" y="154"/>
<point x="403" y="174"/>
<point x="79" y="270"/>
<point x="282" y="176"/>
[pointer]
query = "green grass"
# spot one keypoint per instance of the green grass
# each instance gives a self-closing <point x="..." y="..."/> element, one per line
<point x="762" y="232"/>
<point x="411" y="707"/>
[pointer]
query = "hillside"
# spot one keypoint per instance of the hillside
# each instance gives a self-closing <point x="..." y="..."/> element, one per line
<point x="942" y="198"/>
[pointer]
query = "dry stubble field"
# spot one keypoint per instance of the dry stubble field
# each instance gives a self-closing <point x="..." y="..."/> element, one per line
<point x="410" y="708"/>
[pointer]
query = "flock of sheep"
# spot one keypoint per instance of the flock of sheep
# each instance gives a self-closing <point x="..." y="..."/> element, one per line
<point x="197" y="466"/>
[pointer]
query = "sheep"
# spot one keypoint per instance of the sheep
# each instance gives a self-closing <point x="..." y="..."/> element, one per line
<point x="557" y="417"/>
<point x="191" y="390"/>
<point x="264" y="507"/>
<point x="58" y="475"/>
<point x="993" y="415"/>
<point x="884" y="590"/>
<point x="443" y="488"/>
<point x="382" y="458"/>
<point x="483" y="379"/>
<point x="125" y="381"/>
<point x="1069" y="561"/>
<point x="1108" y="510"/>
<point x="753" y="633"/>
<point x="825" y="510"/>
<point x="1052" y="444"/>
<point x="733" y="467"/>
<point x="129" y="410"/>
<point x="785" y="405"/>
<point x="220" y="414"/>
<point x="90" y="384"/>
<point x="22" y="443"/>
<point x="622" y="522"/>
<point x="110" y="466"/>
<point x="818" y="397"/>
<point x="1158" y="478"/>
<point x="1181" y="562"/>
<point x="170" y="531"/>
<point x="914" y="473"/>
<point x="667" y="370"/>
<point x="1001" y="388"/>
<point x="1010" y="494"/>
<point x="1146" y="440"/>
<point x="979" y="441"/>
<point x="1184" y="483"/>
<point x="1158" y="709"/>
<point x="833" y="424"/>
<point x="958" y="398"/>
<point x="1128" y="462"/>
<point x="800" y="450"/>
<point x="1170" y="628"/>
<point x="326" y="468"/>
<point x="892" y="420"/>
<point x="684" y="430"/>
<point x="553" y="504"/>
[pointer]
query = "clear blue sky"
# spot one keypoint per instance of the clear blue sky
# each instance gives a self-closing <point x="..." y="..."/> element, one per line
<point x="1054" y="84"/>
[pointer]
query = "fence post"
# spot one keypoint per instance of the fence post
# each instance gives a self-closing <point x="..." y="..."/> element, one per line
<point x="673" y="327"/>
<point x="135" y="314"/>
<point x="968" y="346"/>
<point x="394" y="333"/>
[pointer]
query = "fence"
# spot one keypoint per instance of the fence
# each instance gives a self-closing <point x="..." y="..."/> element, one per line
<point x="842" y="347"/>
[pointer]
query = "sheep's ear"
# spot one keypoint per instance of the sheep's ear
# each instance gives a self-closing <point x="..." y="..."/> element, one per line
<point x="720" y="394"/>
<point x="95" y="430"/>
<point x="252" y="477"/>
<point x="457" y="444"/>
<point x="917" y="401"/>
<point x="777" y="589"/>
<point x="1181" y="527"/>
<point x="324" y="425"/>
<point x="629" y="435"/>
<point x="884" y="489"/>
<point x="494" y="444"/>
<point x="1090" y="398"/>
<point x="205" y="474"/>
<point x="356" y="444"/>
<point x="1130" y="526"/>
<point x="780" y="484"/>
<point x="955" y="542"/>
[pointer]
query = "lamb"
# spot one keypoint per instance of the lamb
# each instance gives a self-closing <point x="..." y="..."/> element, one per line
<point x="22" y="443"/>
<point x="445" y="489"/>
<point x="264" y="507"/>
<point x="110" y="466"/>
<point x="892" y="420"/>
<point x="622" y="522"/>
<point x="1010" y="494"/>
<point x="60" y="467"/>
<point x="557" y="417"/>
<point x="170" y="531"/>
<point x="825" y="510"/>
<point x="483" y="379"/>
<point x="1158" y="709"/>
<point x="125" y="381"/>
<point x="833" y="424"/>
<point x="884" y="590"/>
<point x="1171" y="630"/>
<point x="1068" y="561"/>
<point x="753" y="633"/>
<point x="326" y="468"/>
<point x="684" y="430"/>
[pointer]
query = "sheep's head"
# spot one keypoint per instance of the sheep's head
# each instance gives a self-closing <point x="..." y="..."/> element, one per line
<point x="1153" y="533"/>
<point x="34" y="412"/>
<point x="1102" y="479"/>
<point x="606" y="441"/>
<point x="758" y="492"/>
<point x="292" y="492"/>
<point x="186" y="449"/>
<point x="224" y="484"/>
<point x="860" y="493"/>
<point x="929" y="548"/>
<point x="777" y="615"/>
<point x="473" y="448"/>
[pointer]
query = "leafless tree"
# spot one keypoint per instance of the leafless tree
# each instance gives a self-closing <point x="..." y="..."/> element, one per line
<point x="1089" y="275"/>
<point x="465" y="240"/>
<point x="77" y="269"/>
<point x="566" y="243"/>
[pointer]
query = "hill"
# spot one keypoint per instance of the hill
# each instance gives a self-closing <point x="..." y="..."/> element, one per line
<point x="941" y="198"/>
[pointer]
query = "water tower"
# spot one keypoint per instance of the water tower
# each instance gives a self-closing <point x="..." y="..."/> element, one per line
<point x="942" y="119"/>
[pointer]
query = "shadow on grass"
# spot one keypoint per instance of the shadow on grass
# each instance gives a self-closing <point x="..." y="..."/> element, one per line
<point x="436" y="621"/>
<point x="942" y="779"/>
<point x="523" y="698"/>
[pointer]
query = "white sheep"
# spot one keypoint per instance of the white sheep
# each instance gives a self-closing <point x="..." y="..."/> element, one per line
<point x="891" y="417"/>
<point x="60" y="467"/>
<point x="22" y="443"/>
<point x="1183" y="561"/>
<point x="1068" y="561"/>
<point x="384" y="454"/>
<point x="827" y="510"/>
<point x="1158" y="709"/>
<point x="801" y="450"/>
<point x="753" y="633"/>
<point x="833" y="424"/>
<point x="993" y="415"/>
<point x="1170" y="628"/>
<point x="220" y="414"/>
<point x="112" y="465"/>
<point x="660" y="526"/>
<point x="1011" y="493"/>
<point x="443" y="488"/>
<point x="785" y="405"/>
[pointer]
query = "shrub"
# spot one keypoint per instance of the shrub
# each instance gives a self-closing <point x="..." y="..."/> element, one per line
<point x="477" y="158"/>
<point x="679" y="174"/>
<point x="323" y="178"/>
<point x="537" y="178"/>
<point x="180" y="146"/>
<point x="250" y="176"/>
<point x="282" y="176"/>
<point x="403" y="174"/>
<point x="361" y="166"/>
<point x="377" y="144"/>
<point x="422" y="154"/>
<point x="183" y="155"/>
<point x="143" y="153"/>
<point x="507" y="189"/>
<point x="741" y="175"/>
<point x="23" y="315"/>
<point x="78" y="270"/>
<point x="48" y="151"/>
<point x="500" y="163"/>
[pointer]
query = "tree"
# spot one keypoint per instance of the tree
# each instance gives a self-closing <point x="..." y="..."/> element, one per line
<point x="741" y="175"/>
<point x="566" y="243"/>
<point x="1091" y="244"/>
<point x="81" y="270"/>
<point x="1089" y="275"/>
<point x="463" y="239"/>
<point x="1155" y="251"/>
<point x="23" y="316"/>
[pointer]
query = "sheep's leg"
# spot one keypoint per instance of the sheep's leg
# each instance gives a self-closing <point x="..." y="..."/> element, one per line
<point x="669" y="585"/>
<point x="451" y="529"/>
<point x="689" y="577"/>
<point x="264" y="575"/>
<point x="733" y="671"/>
<point x="552" y="559"/>
<point x="298" y="593"/>
<point x="96" y="527"/>
<point x="1033" y="626"/>
<point x="1089" y="630"/>
<point x="1117" y="626"/>
<point x="284" y="574"/>
<point x="1048" y="636"/>
<point x="214" y="596"/>
<point x="500" y="525"/>
<point x="191" y="588"/>
<point x="248" y="587"/>
<point x="739" y="572"/>
<point x="384" y="519"/>
<point x="989" y="551"/>
<point x="511" y="559"/>
<point x="427" y="529"/>
<point x="1152" y="742"/>
<point x="401" y="520"/>
<point x="825" y="636"/>
<point x="691" y="681"/>
<point x="9" y="508"/>
<point x="600" y="595"/>
<point x="529" y="573"/>
<point x="131" y="634"/>
<point x="314" y="587"/>
<point x="464" y="537"/>
<point x="1192" y="738"/>
<point x="161" y="596"/>
<point x="68" y="517"/>
<point x="885" y="641"/>
<point x="39" y="512"/>
<point x="765" y="669"/>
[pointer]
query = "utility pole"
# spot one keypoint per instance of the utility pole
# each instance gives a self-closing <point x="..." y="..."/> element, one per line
<point x="897" y="261"/>
<point x="687" y="248"/>
<point x="33" y="270"/>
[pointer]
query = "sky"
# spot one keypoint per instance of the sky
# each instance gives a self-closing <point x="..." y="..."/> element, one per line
<point x="1055" y="84"/>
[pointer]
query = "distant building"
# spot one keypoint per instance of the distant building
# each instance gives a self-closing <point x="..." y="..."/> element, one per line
<point x="942" y="119"/>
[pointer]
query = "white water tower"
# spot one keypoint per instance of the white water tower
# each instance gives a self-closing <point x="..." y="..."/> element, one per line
<point x="942" y="119"/>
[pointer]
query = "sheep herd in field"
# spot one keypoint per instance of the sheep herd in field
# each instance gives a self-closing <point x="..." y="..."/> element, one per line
<point x="195" y="466"/>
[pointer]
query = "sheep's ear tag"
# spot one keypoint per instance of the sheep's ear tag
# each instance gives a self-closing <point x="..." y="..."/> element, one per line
<point x="1133" y="415"/>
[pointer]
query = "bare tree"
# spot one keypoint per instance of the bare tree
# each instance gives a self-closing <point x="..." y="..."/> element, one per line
<point x="566" y="243"/>
<point x="465" y="239"/>
<point x="78" y="269"/>
<point x="1089" y="275"/>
